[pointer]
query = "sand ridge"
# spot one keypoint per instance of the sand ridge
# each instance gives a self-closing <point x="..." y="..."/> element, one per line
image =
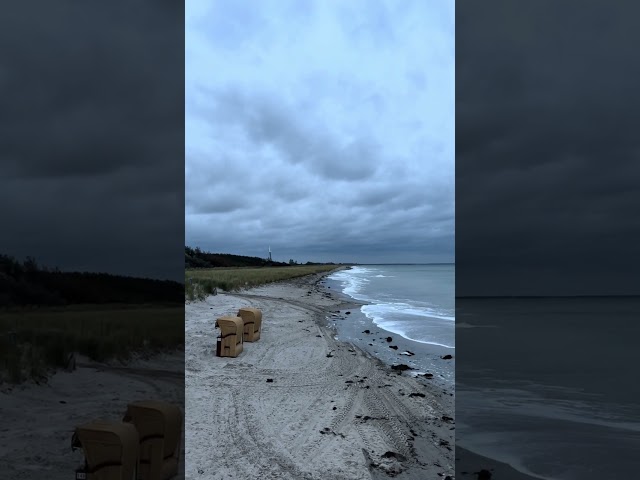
<point x="329" y="412"/>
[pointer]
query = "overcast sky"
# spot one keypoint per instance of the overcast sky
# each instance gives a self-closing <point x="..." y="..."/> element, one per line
<point x="547" y="145"/>
<point x="91" y="154"/>
<point x="324" y="129"/>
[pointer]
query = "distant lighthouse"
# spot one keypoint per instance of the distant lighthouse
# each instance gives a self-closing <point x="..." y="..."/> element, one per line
<point x="269" y="252"/>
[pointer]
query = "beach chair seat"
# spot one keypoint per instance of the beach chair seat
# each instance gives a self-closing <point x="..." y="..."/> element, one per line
<point x="231" y="339"/>
<point x="159" y="426"/>
<point x="252" y="320"/>
<point x="110" y="450"/>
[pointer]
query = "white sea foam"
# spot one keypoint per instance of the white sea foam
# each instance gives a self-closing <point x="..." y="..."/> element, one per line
<point x="469" y="325"/>
<point x="381" y="310"/>
<point x="352" y="281"/>
<point x="383" y="314"/>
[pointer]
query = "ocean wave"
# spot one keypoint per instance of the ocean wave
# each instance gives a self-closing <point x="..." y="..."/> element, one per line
<point x="528" y="403"/>
<point x="469" y="325"/>
<point x="384" y="315"/>
<point x="352" y="282"/>
<point x="380" y="310"/>
<point x="395" y="314"/>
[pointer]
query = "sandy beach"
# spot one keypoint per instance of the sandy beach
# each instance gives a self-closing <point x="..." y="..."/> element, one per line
<point x="38" y="420"/>
<point x="299" y="404"/>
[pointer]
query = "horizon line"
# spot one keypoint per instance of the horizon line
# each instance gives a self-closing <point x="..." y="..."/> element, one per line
<point x="478" y="297"/>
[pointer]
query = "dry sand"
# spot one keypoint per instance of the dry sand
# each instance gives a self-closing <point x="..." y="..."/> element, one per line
<point x="37" y="421"/>
<point x="330" y="412"/>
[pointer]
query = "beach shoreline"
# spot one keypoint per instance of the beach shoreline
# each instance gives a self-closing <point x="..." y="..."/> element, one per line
<point x="353" y="326"/>
<point x="469" y="462"/>
<point x="300" y="404"/>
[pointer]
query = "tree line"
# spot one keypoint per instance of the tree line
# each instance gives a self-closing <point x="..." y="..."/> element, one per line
<point x="197" y="258"/>
<point x="25" y="283"/>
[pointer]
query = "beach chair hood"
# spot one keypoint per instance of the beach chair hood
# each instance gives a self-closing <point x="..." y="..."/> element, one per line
<point x="110" y="449"/>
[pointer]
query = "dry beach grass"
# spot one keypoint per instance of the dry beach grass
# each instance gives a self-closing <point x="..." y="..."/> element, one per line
<point x="35" y="341"/>
<point x="202" y="281"/>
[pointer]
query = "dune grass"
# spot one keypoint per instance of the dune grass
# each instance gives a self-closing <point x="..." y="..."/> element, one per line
<point x="201" y="282"/>
<point x="34" y="341"/>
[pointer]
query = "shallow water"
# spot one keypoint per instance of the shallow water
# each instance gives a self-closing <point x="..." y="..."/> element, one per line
<point x="548" y="385"/>
<point x="414" y="301"/>
<point x="412" y="304"/>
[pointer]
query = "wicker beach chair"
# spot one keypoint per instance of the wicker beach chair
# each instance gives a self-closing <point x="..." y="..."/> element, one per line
<point x="159" y="425"/>
<point x="252" y="319"/>
<point x="230" y="341"/>
<point x="110" y="450"/>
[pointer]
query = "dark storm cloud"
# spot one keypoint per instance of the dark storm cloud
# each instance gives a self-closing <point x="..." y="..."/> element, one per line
<point x="546" y="148"/>
<point x="92" y="145"/>
<point x="267" y="122"/>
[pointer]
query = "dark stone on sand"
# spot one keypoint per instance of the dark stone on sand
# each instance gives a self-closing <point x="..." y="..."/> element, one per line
<point x="334" y="408"/>
<point x="329" y="355"/>
<point x="371" y="344"/>
<point x="349" y="381"/>
<point x="397" y="456"/>
<point x="401" y="367"/>
<point x="447" y="418"/>
<point x="483" y="474"/>
<point x="389" y="339"/>
<point x="427" y="375"/>
<point x="393" y="346"/>
<point x="410" y="352"/>
<point x="319" y="336"/>
<point x="367" y="331"/>
<point x="447" y="357"/>
<point x="269" y="380"/>
<point x="347" y="313"/>
<point x="417" y="395"/>
<point x="448" y="478"/>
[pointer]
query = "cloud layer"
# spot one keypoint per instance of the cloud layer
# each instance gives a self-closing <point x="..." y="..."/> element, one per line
<point x="322" y="129"/>
<point x="546" y="148"/>
<point x="92" y="148"/>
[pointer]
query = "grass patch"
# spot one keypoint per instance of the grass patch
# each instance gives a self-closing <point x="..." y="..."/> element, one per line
<point x="33" y="341"/>
<point x="201" y="282"/>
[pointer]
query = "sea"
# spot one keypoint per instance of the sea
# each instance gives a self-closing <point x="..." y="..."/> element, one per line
<point x="413" y="302"/>
<point x="550" y="385"/>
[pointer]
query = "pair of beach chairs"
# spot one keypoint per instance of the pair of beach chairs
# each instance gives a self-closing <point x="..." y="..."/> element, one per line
<point x="235" y="330"/>
<point x="144" y="446"/>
